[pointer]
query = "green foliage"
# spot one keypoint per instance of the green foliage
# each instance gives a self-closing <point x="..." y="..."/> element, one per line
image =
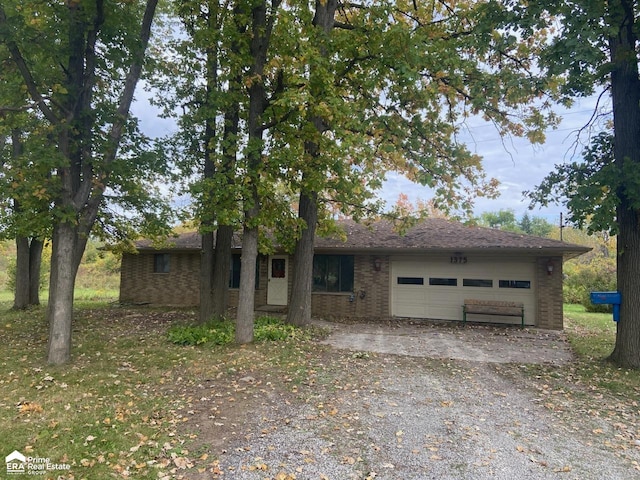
<point x="599" y="274"/>
<point x="273" y="329"/>
<point x="222" y="332"/>
<point x="537" y="226"/>
<point x="98" y="274"/>
<point x="505" y="219"/>
<point x="387" y="90"/>
<point x="41" y="34"/>
<point x="217" y="332"/>
<point x="588" y="187"/>
<point x="45" y="267"/>
<point x="502" y="219"/>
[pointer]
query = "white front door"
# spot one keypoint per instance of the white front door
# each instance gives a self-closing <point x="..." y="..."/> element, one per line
<point x="277" y="288"/>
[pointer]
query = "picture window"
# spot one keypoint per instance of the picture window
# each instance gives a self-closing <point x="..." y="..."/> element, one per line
<point x="333" y="273"/>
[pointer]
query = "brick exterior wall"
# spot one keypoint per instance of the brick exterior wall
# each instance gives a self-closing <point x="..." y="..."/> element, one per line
<point x="371" y="293"/>
<point x="371" y="297"/>
<point x="180" y="286"/>
<point x="550" y="313"/>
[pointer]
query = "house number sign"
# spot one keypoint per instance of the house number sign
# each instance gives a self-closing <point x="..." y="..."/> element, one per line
<point x="458" y="259"/>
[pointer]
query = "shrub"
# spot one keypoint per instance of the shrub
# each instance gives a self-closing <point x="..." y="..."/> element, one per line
<point x="222" y="332"/>
<point x="583" y="278"/>
<point x="218" y="332"/>
<point x="272" y="329"/>
<point x="45" y="267"/>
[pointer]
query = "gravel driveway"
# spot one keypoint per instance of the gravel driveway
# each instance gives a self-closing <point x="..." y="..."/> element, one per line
<point x="425" y="402"/>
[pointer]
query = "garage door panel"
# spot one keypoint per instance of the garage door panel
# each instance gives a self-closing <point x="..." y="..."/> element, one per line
<point x="445" y="301"/>
<point x="412" y="301"/>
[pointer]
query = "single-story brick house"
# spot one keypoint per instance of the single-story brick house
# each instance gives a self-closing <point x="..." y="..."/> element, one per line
<point x="426" y="273"/>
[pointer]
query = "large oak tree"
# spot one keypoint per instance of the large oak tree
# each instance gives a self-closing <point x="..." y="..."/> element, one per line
<point x="593" y="45"/>
<point x="80" y="61"/>
<point x="388" y="87"/>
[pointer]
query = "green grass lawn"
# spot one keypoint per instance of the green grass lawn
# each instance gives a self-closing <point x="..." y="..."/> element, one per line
<point x="592" y="337"/>
<point x="109" y="294"/>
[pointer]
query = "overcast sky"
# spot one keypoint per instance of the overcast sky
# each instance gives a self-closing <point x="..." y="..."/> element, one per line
<point x="517" y="164"/>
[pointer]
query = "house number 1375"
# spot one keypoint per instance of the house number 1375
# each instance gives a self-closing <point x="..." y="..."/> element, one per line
<point x="458" y="259"/>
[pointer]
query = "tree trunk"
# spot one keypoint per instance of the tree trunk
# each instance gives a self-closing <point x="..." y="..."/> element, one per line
<point x="300" y="305"/>
<point x="206" y="277"/>
<point x="302" y="280"/>
<point x="214" y="276"/>
<point x="21" y="297"/>
<point x="626" y="352"/>
<point x="35" y="265"/>
<point x="28" y="263"/>
<point x="261" y="28"/>
<point x="207" y="217"/>
<point x="221" y="270"/>
<point x="246" y="302"/>
<point x="224" y="234"/>
<point x="625" y="93"/>
<point x="67" y="250"/>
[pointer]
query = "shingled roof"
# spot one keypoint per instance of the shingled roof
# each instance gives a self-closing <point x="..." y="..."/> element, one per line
<point x="432" y="234"/>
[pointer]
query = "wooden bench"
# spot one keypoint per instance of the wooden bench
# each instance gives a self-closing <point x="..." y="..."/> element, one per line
<point x="493" y="307"/>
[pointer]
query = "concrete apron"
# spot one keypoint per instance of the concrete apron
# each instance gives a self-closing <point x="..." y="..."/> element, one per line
<point x="477" y="343"/>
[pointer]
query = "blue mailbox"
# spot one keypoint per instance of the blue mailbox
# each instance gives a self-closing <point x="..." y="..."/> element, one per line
<point x="608" y="298"/>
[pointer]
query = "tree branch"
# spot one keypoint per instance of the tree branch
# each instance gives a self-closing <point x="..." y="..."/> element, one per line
<point x="131" y="81"/>
<point x="30" y="83"/>
<point x="122" y="112"/>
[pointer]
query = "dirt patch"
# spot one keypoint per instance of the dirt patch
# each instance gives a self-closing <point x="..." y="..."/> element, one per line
<point x="478" y="343"/>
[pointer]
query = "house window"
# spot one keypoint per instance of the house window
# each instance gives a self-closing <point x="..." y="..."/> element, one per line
<point x="161" y="263"/>
<point x="410" y="281"/>
<point x="476" y="282"/>
<point x="514" y="284"/>
<point x="333" y="273"/>
<point x="234" y="271"/>
<point x="444" y="282"/>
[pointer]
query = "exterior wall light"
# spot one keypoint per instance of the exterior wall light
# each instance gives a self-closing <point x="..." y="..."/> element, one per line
<point x="549" y="267"/>
<point x="377" y="264"/>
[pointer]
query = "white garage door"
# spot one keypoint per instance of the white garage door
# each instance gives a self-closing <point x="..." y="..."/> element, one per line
<point x="437" y="288"/>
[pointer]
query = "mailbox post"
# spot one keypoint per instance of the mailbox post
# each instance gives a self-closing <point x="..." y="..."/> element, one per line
<point x="608" y="298"/>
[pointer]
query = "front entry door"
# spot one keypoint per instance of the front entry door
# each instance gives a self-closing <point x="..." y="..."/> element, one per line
<point x="277" y="289"/>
